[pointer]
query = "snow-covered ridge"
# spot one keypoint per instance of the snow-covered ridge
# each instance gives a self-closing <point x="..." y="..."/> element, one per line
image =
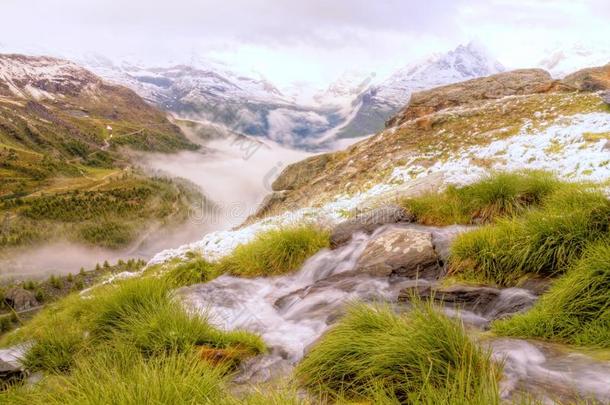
<point x="575" y="148"/>
<point x="42" y="77"/>
<point x="462" y="63"/>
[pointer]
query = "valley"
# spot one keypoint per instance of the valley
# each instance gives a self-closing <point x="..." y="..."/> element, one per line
<point x="455" y="251"/>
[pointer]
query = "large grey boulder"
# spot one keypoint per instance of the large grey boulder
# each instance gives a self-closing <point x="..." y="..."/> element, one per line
<point x="368" y="222"/>
<point x="473" y="298"/>
<point x="20" y="299"/>
<point x="402" y="252"/>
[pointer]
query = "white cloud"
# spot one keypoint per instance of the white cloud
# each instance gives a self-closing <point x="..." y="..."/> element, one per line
<point x="312" y="40"/>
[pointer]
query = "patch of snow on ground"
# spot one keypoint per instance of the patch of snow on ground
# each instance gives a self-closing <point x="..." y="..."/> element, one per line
<point x="561" y="148"/>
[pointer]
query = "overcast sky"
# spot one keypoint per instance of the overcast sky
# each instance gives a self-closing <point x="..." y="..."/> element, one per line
<point x="304" y="40"/>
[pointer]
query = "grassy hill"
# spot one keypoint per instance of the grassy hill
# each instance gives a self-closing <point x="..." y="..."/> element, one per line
<point x="65" y="169"/>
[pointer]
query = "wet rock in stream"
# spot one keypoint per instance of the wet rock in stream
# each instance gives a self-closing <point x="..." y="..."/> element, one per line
<point x="291" y="312"/>
<point x="487" y="302"/>
<point x="368" y="222"/>
<point x="401" y="252"/>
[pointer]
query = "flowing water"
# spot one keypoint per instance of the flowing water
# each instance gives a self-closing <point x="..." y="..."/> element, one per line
<point x="291" y="312"/>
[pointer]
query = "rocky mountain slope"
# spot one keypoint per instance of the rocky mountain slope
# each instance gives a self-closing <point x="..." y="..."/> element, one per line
<point x="351" y="107"/>
<point x="518" y="119"/>
<point x="61" y="97"/>
<point x="452" y="134"/>
<point x="242" y="105"/>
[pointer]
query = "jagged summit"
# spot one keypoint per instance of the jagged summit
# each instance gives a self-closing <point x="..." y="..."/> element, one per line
<point x="381" y="101"/>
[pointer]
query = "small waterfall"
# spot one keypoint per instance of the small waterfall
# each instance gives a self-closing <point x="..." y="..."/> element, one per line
<point x="291" y="312"/>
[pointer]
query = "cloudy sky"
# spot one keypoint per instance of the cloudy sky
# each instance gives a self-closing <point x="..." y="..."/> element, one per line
<point x="311" y="41"/>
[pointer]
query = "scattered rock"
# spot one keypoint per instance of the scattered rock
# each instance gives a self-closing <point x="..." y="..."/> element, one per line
<point x="368" y="222"/>
<point x="591" y="79"/>
<point x="403" y="252"/>
<point x="472" y="298"/>
<point x="516" y="82"/>
<point x="492" y="303"/>
<point x="20" y="299"/>
<point x="10" y="373"/>
<point x="606" y="97"/>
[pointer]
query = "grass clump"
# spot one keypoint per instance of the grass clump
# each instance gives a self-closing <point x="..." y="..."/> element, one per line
<point x="275" y="252"/>
<point x="420" y="357"/>
<point x="498" y="195"/>
<point x="576" y="309"/>
<point x="543" y="241"/>
<point x="54" y="352"/>
<point x="194" y="270"/>
<point x="118" y="375"/>
<point x="138" y="313"/>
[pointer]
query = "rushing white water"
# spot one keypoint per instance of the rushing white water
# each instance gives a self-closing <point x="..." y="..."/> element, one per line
<point x="291" y="312"/>
<point x="549" y="373"/>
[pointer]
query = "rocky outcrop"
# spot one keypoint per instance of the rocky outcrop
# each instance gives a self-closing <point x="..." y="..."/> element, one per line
<point x="606" y="97"/>
<point x="591" y="79"/>
<point x="270" y="200"/>
<point x="299" y="173"/>
<point x="20" y="299"/>
<point x="403" y="252"/>
<point x="516" y="82"/>
<point x="368" y="222"/>
<point x="10" y="373"/>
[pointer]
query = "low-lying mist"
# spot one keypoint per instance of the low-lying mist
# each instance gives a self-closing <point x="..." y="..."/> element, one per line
<point x="234" y="174"/>
<point x="65" y="257"/>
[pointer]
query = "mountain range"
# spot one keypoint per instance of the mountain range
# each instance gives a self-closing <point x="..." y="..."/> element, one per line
<point x="353" y="106"/>
<point x="357" y="104"/>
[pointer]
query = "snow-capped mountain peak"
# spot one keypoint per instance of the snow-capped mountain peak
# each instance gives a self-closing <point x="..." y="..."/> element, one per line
<point x="381" y="101"/>
<point x="346" y="88"/>
<point x="463" y="63"/>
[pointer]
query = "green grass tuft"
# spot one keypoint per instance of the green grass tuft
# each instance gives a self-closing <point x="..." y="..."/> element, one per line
<point x="576" y="309"/>
<point x="275" y="252"/>
<point x="118" y="375"/>
<point x="54" y="352"/>
<point x="420" y="357"/>
<point x="139" y="313"/>
<point x="193" y="270"/>
<point x="498" y="195"/>
<point x="542" y="241"/>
